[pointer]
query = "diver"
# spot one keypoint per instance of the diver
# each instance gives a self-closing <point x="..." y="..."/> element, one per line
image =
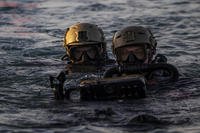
<point x="85" y="52"/>
<point x="85" y="47"/>
<point x="134" y="48"/>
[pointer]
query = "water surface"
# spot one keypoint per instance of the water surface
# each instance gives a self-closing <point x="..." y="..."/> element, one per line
<point x="31" y="33"/>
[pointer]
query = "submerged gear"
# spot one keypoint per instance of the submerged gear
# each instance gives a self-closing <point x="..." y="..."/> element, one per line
<point x="114" y="84"/>
<point x="103" y="89"/>
<point x="136" y="36"/>
<point x="111" y="88"/>
<point x="82" y="35"/>
<point x="168" y="71"/>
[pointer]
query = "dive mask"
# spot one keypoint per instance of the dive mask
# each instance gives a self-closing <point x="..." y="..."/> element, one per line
<point x="89" y="52"/>
<point x="131" y="54"/>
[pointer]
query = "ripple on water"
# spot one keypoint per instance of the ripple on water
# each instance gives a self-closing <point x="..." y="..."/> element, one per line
<point x="10" y="44"/>
<point x="98" y="7"/>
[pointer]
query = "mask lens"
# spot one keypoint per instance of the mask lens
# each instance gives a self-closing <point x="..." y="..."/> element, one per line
<point x="92" y="52"/>
<point x="124" y="52"/>
<point x="77" y="51"/>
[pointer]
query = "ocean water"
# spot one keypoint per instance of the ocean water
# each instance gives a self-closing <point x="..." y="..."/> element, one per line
<point x="31" y="33"/>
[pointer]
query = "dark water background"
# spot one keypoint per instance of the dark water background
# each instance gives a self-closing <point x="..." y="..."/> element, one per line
<point x="31" y="33"/>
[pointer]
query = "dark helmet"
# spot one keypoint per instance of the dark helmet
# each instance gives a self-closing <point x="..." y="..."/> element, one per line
<point x="134" y="36"/>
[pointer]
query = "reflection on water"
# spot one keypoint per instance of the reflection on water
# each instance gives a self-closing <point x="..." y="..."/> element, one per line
<point x="31" y="35"/>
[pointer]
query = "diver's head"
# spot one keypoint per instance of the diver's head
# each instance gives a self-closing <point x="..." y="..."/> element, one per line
<point x="85" y="44"/>
<point x="134" y="45"/>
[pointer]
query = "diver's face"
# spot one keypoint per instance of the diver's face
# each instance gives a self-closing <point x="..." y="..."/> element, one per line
<point x="132" y="55"/>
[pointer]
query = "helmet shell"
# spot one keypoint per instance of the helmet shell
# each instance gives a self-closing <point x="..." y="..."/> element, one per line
<point x="133" y="35"/>
<point x="83" y="34"/>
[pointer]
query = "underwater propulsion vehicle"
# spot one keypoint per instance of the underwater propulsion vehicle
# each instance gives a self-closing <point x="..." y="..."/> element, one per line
<point x="131" y="86"/>
<point x="114" y="85"/>
<point x="109" y="88"/>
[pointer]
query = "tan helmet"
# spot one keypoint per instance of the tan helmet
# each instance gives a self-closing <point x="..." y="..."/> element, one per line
<point x="134" y="35"/>
<point x="83" y="34"/>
